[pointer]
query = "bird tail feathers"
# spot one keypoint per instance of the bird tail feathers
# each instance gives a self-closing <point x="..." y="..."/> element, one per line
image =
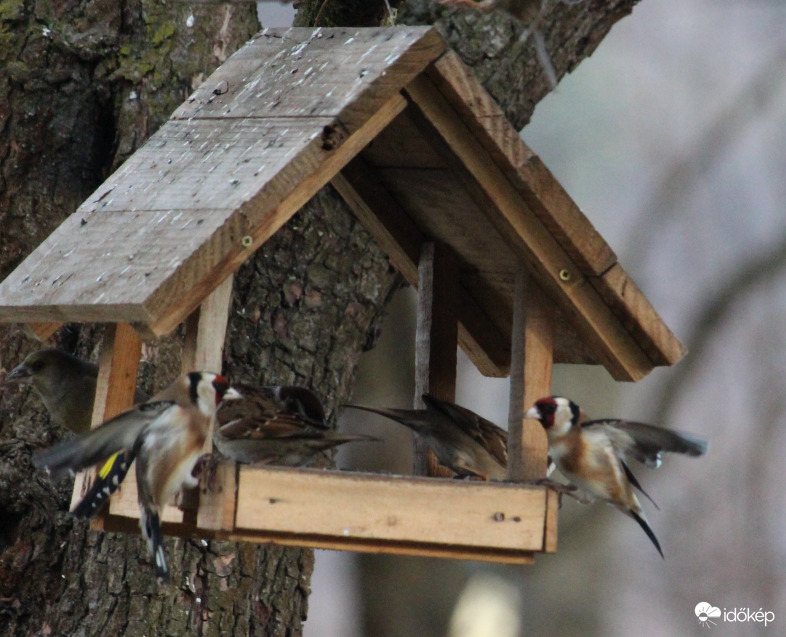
<point x="150" y="524"/>
<point x="650" y="533"/>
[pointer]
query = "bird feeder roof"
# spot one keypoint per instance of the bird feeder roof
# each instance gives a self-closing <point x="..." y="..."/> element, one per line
<point x="415" y="146"/>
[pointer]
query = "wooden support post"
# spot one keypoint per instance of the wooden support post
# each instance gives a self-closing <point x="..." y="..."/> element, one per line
<point x="530" y="378"/>
<point x="436" y="339"/>
<point x="115" y="386"/>
<point x="117" y="374"/>
<point x="206" y="329"/>
<point x="532" y="358"/>
<point x="203" y="351"/>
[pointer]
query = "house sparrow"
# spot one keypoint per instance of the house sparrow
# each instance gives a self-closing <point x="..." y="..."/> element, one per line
<point x="466" y="443"/>
<point x="593" y="454"/>
<point x="64" y="383"/>
<point x="275" y="425"/>
<point x="166" y="435"/>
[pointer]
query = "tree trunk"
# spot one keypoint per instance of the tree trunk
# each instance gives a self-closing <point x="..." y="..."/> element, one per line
<point x="81" y="90"/>
<point x="82" y="86"/>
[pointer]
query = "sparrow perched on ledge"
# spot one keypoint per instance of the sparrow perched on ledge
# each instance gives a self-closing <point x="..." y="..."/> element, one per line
<point x="593" y="454"/>
<point x="166" y="435"/>
<point x="468" y="444"/>
<point x="282" y="425"/>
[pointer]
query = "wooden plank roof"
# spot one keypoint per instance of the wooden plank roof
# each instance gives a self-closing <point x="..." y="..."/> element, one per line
<point x="413" y="143"/>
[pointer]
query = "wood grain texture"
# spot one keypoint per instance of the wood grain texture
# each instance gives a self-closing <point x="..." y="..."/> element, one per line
<point x="436" y="340"/>
<point x="553" y="206"/>
<point x="538" y="349"/>
<point x="118" y="368"/>
<point x="205" y="331"/>
<point x="346" y="73"/>
<point x="485" y="521"/>
<point x="532" y="242"/>
<point x="552" y="514"/>
<point x="40" y="331"/>
<point x="237" y="160"/>
<point x="534" y="336"/>
<point x="432" y="198"/>
<point x="637" y="314"/>
<point x="365" y="190"/>
<point x="279" y="120"/>
<point x="218" y="499"/>
<point x="392" y="547"/>
<point x="420" y="511"/>
<point x="526" y="172"/>
<point x="203" y="347"/>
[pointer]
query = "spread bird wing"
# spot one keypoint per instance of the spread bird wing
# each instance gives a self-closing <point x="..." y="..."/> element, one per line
<point x="118" y="433"/>
<point x="645" y="443"/>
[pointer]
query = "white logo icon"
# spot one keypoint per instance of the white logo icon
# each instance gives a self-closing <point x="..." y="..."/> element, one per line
<point x="706" y="613"/>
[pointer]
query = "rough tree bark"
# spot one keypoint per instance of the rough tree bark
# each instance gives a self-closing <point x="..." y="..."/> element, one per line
<point x="82" y="85"/>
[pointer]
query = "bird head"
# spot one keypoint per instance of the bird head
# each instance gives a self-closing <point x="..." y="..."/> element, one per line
<point x="557" y="414"/>
<point x="206" y="390"/>
<point x="47" y="367"/>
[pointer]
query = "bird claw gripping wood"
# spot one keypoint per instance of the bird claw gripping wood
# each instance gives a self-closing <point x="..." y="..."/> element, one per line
<point x="561" y="489"/>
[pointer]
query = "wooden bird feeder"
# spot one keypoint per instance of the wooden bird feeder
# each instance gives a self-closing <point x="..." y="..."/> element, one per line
<point x="506" y="266"/>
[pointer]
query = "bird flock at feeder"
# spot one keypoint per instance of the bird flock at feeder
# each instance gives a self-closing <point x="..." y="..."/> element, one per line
<point x="286" y="425"/>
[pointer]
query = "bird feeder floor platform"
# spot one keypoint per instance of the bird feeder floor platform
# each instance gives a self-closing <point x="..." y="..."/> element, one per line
<point x="315" y="508"/>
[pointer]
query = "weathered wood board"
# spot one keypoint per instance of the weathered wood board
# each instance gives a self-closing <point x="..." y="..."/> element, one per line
<point x="357" y="510"/>
<point x="484" y="521"/>
<point x="237" y="160"/>
<point x="413" y="143"/>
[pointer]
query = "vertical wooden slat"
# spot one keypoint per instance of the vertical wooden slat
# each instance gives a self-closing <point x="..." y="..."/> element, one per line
<point x="550" y="528"/>
<point x="532" y="357"/>
<point x="436" y="339"/>
<point x="118" y="366"/>
<point x="206" y="329"/>
<point x="117" y="372"/>
<point x="530" y="378"/>
<point x="203" y="351"/>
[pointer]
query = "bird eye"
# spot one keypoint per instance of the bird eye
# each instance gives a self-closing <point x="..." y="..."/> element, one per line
<point x="36" y="366"/>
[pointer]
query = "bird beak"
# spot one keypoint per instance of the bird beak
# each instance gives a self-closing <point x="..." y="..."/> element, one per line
<point x="19" y="375"/>
<point x="533" y="413"/>
<point x="232" y="394"/>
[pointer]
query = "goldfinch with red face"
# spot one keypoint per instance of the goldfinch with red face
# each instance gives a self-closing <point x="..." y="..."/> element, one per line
<point x="167" y="437"/>
<point x="593" y="454"/>
<point x="463" y="441"/>
<point x="282" y="425"/>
